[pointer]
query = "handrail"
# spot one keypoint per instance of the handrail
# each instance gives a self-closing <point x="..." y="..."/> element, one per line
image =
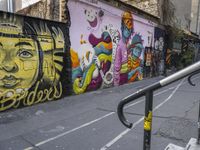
<point x="198" y="123"/>
<point x="131" y="98"/>
<point x="190" y="76"/>
<point x="148" y="91"/>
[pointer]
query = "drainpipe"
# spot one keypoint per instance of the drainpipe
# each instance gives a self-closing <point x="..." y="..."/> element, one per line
<point x="197" y="25"/>
<point x="10" y="6"/>
<point x="60" y="9"/>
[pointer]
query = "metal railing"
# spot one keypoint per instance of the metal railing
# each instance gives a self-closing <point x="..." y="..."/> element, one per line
<point x="189" y="80"/>
<point x="148" y="93"/>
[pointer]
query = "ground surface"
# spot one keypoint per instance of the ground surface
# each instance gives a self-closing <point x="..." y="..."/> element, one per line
<point x="89" y="121"/>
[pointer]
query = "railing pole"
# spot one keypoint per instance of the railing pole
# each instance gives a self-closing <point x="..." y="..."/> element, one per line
<point x="198" y="139"/>
<point x="148" y="120"/>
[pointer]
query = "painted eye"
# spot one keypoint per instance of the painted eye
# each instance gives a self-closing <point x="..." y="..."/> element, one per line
<point x="25" y="54"/>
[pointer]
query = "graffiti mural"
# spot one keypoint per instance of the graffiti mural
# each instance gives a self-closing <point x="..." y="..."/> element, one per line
<point x="108" y="48"/>
<point x="94" y="68"/>
<point x="135" y="62"/>
<point x="31" y="61"/>
<point x="128" y="60"/>
<point x="121" y="57"/>
<point x="159" y="51"/>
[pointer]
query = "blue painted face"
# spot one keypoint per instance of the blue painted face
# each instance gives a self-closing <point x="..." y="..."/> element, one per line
<point x="126" y="33"/>
<point x="136" y="51"/>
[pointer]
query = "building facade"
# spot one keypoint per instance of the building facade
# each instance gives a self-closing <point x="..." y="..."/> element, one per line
<point x="195" y="13"/>
<point x="3" y="5"/>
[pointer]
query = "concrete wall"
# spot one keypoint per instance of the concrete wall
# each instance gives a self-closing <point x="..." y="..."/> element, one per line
<point x="34" y="61"/>
<point x="194" y="17"/>
<point x="42" y="61"/>
<point x="183" y="12"/>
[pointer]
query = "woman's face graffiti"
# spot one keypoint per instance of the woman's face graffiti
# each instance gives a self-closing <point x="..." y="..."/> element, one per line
<point x="18" y="63"/>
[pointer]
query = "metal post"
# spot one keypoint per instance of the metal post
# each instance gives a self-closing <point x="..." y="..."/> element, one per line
<point x="148" y="120"/>
<point x="198" y="139"/>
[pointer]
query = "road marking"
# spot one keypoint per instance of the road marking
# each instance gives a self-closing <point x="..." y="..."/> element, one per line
<point x="70" y="131"/>
<point x="109" y="144"/>
<point x="159" y="93"/>
<point x="91" y="122"/>
<point x="28" y="148"/>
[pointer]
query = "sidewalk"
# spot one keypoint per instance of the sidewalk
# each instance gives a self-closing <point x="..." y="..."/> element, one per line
<point x="44" y="109"/>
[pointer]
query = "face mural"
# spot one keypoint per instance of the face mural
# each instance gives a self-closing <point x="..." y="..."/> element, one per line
<point x="19" y="60"/>
<point x="31" y="61"/>
<point x="126" y="25"/>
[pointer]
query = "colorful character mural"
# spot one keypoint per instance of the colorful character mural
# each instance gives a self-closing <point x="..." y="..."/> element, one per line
<point x="128" y="61"/>
<point x="107" y="59"/>
<point x="94" y="69"/>
<point x="108" y="48"/>
<point x="121" y="57"/>
<point x="31" y="61"/>
<point x="135" y="62"/>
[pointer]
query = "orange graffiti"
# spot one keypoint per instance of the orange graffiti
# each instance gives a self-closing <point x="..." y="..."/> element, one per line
<point x="74" y="58"/>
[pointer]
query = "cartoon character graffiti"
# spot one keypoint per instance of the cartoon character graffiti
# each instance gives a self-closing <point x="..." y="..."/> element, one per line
<point x="95" y="56"/>
<point x="84" y="70"/>
<point x="91" y="17"/>
<point x="135" y="62"/>
<point x="94" y="63"/>
<point x="94" y="18"/>
<point x="121" y="57"/>
<point x="30" y="62"/>
<point x="159" y="44"/>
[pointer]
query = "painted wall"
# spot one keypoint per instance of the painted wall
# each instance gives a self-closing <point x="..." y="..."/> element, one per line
<point x="160" y="50"/>
<point x="34" y="57"/>
<point x="39" y="62"/>
<point x="107" y="45"/>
